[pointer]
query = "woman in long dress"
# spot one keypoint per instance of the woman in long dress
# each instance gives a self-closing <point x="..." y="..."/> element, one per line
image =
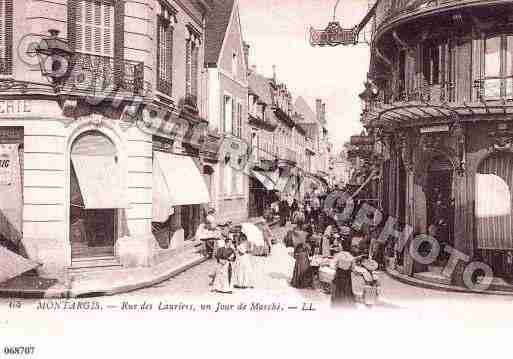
<point x="223" y="281"/>
<point x="342" y="286"/>
<point x="243" y="276"/>
<point x="302" y="276"/>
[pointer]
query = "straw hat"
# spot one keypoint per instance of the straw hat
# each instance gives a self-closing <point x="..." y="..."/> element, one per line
<point x="344" y="260"/>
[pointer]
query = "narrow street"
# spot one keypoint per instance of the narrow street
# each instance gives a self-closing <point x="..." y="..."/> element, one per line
<point x="272" y="281"/>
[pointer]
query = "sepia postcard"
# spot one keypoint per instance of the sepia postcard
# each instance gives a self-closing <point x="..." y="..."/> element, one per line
<point x="220" y="177"/>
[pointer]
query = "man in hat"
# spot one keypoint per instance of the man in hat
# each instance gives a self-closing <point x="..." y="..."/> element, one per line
<point x="208" y="232"/>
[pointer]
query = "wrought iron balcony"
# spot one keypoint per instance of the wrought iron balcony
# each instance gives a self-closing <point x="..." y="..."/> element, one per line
<point x="104" y="76"/>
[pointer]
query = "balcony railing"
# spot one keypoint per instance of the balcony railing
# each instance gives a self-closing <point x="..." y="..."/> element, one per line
<point x="100" y="75"/>
<point x="389" y="9"/>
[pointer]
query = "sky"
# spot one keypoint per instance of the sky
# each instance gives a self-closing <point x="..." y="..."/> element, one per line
<point x="277" y="31"/>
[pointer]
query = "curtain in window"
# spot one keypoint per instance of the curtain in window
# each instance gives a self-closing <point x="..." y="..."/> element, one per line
<point x="494" y="225"/>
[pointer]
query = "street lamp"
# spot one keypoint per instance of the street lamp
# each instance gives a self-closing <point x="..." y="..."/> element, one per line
<point x="53" y="54"/>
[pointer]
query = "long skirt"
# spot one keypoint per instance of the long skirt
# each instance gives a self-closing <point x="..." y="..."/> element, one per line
<point x="223" y="282"/>
<point x="342" y="289"/>
<point x="302" y="276"/>
<point x="243" y="276"/>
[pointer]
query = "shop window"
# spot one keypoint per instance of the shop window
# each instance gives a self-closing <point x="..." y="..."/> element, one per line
<point x="6" y="32"/>
<point x="498" y="67"/>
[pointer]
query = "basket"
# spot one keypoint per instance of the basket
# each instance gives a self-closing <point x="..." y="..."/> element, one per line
<point x="370" y="294"/>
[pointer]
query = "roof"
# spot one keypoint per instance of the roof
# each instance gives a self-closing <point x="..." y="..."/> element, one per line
<point x="260" y="86"/>
<point x="217" y="23"/>
<point x="302" y="108"/>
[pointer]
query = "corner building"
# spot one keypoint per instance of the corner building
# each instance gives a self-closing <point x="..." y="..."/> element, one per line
<point x="92" y="179"/>
<point x="444" y="70"/>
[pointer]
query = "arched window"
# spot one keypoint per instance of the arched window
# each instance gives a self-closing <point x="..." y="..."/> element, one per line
<point x="494" y="224"/>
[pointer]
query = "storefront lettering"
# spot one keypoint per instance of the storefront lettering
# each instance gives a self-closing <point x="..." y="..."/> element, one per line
<point x="6" y="154"/>
<point x="9" y="107"/>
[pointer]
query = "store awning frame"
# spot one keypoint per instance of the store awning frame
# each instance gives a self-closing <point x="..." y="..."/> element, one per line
<point x="179" y="182"/>
<point x="101" y="182"/>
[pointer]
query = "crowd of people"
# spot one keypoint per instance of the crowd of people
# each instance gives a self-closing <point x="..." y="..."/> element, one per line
<point x="315" y="234"/>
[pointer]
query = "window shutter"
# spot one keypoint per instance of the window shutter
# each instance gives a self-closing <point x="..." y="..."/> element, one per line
<point x="234" y="118"/>
<point x="169" y="58"/>
<point x="73" y="25"/>
<point x="188" y="67"/>
<point x="119" y="41"/>
<point x="194" y="83"/>
<point x="6" y="34"/>
<point x="239" y="120"/>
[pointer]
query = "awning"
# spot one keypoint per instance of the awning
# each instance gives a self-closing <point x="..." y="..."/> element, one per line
<point x="12" y="265"/>
<point x="101" y="182"/>
<point x="182" y="179"/>
<point x="264" y="179"/>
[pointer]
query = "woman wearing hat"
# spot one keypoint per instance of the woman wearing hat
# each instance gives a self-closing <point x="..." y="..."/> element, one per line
<point x="302" y="276"/>
<point x="342" y="285"/>
<point x="242" y="269"/>
<point x="223" y="281"/>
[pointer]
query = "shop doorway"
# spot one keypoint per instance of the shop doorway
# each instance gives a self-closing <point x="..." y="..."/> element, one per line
<point x="439" y="198"/>
<point x="95" y="196"/>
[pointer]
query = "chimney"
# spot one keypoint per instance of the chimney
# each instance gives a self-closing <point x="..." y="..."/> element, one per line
<point x="246" y="54"/>
<point x="323" y="113"/>
<point x="318" y="109"/>
<point x="274" y="74"/>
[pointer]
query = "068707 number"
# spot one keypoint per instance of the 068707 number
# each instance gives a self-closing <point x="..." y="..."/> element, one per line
<point x="19" y="350"/>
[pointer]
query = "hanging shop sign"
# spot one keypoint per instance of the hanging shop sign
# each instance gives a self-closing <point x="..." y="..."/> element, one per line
<point x="333" y="35"/>
<point x="433" y="129"/>
<point x="362" y="141"/>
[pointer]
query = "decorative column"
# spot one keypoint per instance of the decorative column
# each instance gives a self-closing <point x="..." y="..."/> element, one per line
<point x="462" y="202"/>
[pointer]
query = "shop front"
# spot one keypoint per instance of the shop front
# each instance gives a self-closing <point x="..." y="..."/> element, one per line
<point x="95" y="191"/>
<point x="461" y="195"/>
